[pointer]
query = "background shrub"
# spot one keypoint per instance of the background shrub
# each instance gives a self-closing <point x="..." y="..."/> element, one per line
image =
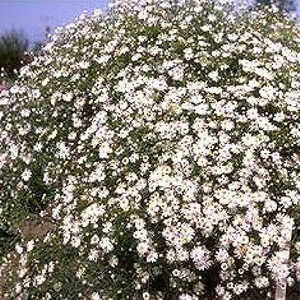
<point x="13" y="47"/>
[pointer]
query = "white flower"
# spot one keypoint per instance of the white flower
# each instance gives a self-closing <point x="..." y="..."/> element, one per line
<point x="30" y="245"/>
<point x="142" y="248"/>
<point x="114" y="261"/>
<point x="36" y="94"/>
<point x="82" y="65"/>
<point x="201" y="257"/>
<point x="214" y="75"/>
<point x="68" y="97"/>
<point x="206" y="28"/>
<point x="146" y="296"/>
<point x="93" y="255"/>
<point x="38" y="146"/>
<point x="95" y="296"/>
<point x="26" y="175"/>
<point x="95" y="239"/>
<point x="106" y="244"/>
<point x="152" y="257"/>
<point x="39" y="279"/>
<point x="75" y="241"/>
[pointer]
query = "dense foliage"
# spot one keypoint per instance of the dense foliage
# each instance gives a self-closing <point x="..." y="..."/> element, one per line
<point x="13" y="47"/>
<point x="152" y="153"/>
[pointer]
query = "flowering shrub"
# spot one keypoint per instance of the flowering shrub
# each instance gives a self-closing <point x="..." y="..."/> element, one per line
<point x="155" y="148"/>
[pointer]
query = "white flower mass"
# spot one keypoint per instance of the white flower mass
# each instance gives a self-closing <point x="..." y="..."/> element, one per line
<point x="161" y="142"/>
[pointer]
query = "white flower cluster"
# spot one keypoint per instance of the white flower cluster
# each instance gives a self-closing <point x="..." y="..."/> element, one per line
<point x="162" y="141"/>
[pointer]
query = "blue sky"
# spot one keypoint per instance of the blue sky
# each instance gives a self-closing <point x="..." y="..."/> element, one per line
<point x="33" y="16"/>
